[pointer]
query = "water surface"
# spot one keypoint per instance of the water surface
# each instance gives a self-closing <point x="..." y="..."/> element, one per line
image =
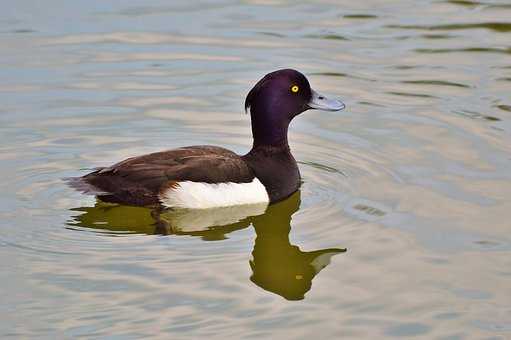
<point x="401" y="227"/>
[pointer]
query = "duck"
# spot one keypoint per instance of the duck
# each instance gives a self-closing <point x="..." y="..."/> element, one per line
<point x="206" y="176"/>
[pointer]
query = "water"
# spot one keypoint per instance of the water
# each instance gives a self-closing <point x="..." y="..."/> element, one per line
<point x="401" y="228"/>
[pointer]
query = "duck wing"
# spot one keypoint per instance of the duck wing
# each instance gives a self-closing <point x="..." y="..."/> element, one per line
<point x="140" y="180"/>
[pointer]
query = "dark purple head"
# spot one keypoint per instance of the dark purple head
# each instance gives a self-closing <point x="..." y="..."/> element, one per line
<point x="276" y="99"/>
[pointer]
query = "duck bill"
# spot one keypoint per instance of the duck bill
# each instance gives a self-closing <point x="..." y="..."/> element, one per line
<point x="320" y="102"/>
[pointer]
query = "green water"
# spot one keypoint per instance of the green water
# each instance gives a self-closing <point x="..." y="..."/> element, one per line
<point x="401" y="227"/>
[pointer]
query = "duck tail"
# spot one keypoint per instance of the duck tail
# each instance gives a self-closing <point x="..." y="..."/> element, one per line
<point x="82" y="185"/>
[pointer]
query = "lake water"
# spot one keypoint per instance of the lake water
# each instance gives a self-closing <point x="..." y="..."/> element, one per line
<point x="401" y="228"/>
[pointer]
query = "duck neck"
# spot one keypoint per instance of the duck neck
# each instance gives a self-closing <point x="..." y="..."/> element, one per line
<point x="268" y="130"/>
<point x="270" y="157"/>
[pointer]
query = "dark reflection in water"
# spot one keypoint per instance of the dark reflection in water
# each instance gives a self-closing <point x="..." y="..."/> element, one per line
<point x="277" y="265"/>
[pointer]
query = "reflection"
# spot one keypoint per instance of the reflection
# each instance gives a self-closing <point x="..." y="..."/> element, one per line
<point x="114" y="219"/>
<point x="210" y="224"/>
<point x="277" y="265"/>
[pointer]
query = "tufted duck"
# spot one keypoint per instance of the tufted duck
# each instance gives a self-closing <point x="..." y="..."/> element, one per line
<point x="204" y="176"/>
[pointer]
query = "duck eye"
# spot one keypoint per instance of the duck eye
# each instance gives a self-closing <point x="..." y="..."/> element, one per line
<point x="294" y="88"/>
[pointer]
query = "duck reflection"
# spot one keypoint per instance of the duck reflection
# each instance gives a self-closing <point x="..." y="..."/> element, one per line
<point x="277" y="265"/>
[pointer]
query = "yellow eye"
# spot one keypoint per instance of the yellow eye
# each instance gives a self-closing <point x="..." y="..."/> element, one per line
<point x="294" y="88"/>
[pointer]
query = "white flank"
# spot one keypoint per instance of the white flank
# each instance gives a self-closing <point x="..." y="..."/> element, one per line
<point x="198" y="195"/>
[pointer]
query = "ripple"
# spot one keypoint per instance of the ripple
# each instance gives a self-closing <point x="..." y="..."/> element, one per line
<point x="330" y="74"/>
<point x="159" y="38"/>
<point x="502" y="27"/>
<point x="273" y="34"/>
<point x="326" y="37"/>
<point x="476" y="115"/>
<point x="360" y="16"/>
<point x="23" y="31"/>
<point x="340" y="75"/>
<point x="467" y="3"/>
<point x="322" y="167"/>
<point x="436" y="36"/>
<point x="409" y="94"/>
<point x="369" y="210"/>
<point x="504" y="107"/>
<point x="435" y="82"/>
<point x="408" y="329"/>
<point x="464" y="50"/>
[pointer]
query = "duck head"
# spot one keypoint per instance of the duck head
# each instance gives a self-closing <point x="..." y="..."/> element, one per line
<point x="279" y="97"/>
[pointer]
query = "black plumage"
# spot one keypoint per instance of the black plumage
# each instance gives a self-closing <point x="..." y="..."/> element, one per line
<point x="140" y="180"/>
<point x="274" y="101"/>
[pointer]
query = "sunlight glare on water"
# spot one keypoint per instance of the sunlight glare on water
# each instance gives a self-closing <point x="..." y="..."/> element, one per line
<point x="401" y="227"/>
